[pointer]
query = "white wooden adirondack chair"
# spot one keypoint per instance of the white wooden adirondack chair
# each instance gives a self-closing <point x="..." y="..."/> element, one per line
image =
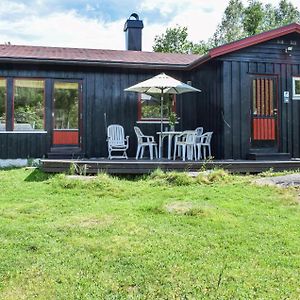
<point x="116" y="141"/>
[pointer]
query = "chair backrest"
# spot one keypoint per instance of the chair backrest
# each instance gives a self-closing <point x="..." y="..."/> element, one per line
<point x="115" y="134"/>
<point x="139" y="134"/>
<point x="206" y="137"/>
<point x="189" y="136"/>
<point x="199" y="132"/>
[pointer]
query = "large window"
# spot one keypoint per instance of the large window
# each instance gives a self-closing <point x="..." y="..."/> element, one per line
<point x="2" y="104"/>
<point x="296" y="88"/>
<point x="149" y="107"/>
<point x="28" y="104"/>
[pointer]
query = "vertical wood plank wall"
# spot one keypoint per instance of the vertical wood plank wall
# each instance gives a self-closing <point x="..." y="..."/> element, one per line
<point x="103" y="92"/>
<point x="209" y="108"/>
<point x="268" y="58"/>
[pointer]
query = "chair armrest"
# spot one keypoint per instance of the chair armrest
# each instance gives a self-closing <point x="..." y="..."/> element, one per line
<point x="127" y="140"/>
<point x="179" y="137"/>
<point x="149" y="138"/>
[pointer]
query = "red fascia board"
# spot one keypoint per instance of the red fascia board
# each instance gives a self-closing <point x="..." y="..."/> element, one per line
<point x="255" y="39"/>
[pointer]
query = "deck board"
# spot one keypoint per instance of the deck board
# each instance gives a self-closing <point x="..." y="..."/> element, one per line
<point x="132" y="166"/>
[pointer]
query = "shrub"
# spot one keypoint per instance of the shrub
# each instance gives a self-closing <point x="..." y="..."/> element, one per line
<point x="218" y="175"/>
<point x="171" y="178"/>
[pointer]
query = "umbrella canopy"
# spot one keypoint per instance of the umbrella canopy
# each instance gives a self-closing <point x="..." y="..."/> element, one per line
<point x="162" y="84"/>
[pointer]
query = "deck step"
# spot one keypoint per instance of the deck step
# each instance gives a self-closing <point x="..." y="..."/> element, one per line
<point x="65" y="153"/>
<point x="269" y="156"/>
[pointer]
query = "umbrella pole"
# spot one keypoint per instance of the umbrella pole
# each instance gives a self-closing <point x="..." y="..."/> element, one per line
<point x="161" y="123"/>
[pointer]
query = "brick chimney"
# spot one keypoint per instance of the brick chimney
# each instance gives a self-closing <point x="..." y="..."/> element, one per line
<point x="133" y="33"/>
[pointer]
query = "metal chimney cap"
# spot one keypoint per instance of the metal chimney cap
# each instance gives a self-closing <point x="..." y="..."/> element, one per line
<point x="134" y="15"/>
<point x="133" y="23"/>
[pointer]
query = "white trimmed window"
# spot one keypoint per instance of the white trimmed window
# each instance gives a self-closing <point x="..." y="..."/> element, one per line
<point x="2" y="104"/>
<point x="296" y="88"/>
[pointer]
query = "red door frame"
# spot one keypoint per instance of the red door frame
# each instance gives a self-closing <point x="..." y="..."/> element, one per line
<point x="68" y="134"/>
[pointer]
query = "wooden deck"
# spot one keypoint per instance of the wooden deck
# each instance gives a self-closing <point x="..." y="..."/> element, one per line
<point x="132" y="166"/>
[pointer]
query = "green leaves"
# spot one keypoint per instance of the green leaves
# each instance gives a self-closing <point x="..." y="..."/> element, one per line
<point x="173" y="41"/>
<point x="238" y="22"/>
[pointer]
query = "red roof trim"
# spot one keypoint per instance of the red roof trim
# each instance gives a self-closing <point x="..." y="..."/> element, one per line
<point x="253" y="40"/>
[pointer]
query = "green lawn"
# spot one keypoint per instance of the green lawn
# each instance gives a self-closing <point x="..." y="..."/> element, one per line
<point x="161" y="237"/>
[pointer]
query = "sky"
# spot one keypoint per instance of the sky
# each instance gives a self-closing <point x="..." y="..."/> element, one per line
<point x="99" y="23"/>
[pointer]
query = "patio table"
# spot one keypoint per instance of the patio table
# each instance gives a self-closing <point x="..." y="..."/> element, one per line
<point x="170" y="135"/>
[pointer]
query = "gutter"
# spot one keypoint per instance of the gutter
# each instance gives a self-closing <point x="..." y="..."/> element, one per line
<point x="131" y="65"/>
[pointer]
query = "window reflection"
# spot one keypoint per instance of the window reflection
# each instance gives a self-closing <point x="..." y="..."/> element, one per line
<point x="2" y="104"/>
<point x="66" y="100"/>
<point x="150" y="106"/>
<point x="28" y="104"/>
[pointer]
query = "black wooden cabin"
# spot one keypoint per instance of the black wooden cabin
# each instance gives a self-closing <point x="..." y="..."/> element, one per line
<point x="250" y="96"/>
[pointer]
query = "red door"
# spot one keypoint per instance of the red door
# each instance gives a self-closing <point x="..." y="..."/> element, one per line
<point x="264" y="113"/>
<point x="66" y="113"/>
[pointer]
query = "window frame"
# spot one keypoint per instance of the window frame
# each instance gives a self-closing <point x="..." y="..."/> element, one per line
<point x="153" y="120"/>
<point x="5" y="104"/>
<point x="295" y="96"/>
<point x="13" y="105"/>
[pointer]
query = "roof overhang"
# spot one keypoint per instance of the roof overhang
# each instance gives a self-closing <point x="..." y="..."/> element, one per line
<point x="247" y="42"/>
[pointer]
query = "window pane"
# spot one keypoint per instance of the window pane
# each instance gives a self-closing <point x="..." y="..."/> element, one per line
<point x="66" y="100"/>
<point x="28" y="104"/>
<point x="150" y="106"/>
<point x="297" y="86"/>
<point x="2" y="104"/>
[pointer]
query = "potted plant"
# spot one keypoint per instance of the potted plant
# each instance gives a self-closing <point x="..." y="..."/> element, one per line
<point x="172" y="120"/>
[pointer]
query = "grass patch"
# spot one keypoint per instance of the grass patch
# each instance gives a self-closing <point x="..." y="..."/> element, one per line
<point x="164" y="236"/>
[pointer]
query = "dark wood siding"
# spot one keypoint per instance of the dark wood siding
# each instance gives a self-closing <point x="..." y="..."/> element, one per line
<point x="268" y="58"/>
<point x="103" y="93"/>
<point x="23" y="145"/>
<point x="209" y="110"/>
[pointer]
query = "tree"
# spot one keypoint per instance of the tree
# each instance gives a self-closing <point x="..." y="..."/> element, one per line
<point x="253" y="17"/>
<point x="237" y="22"/>
<point x="231" y="26"/>
<point x="173" y="41"/>
<point x="286" y="13"/>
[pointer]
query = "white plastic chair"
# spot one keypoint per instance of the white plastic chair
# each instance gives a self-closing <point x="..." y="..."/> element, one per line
<point x="116" y="141"/>
<point x="199" y="132"/>
<point x="186" y="142"/>
<point x="204" y="143"/>
<point x="143" y="142"/>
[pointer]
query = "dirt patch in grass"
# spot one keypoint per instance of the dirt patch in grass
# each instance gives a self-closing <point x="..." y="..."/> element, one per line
<point x="95" y="222"/>
<point x="189" y="208"/>
<point x="87" y="222"/>
<point x="179" y="207"/>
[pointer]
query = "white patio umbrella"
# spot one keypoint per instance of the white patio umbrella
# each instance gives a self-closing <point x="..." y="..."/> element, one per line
<point x="162" y="84"/>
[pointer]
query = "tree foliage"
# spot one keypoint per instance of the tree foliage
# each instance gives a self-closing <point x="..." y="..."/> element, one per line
<point x="238" y="21"/>
<point x="175" y="40"/>
<point x="231" y="25"/>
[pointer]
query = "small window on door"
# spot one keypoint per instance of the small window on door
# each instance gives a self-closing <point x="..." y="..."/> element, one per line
<point x="296" y="88"/>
